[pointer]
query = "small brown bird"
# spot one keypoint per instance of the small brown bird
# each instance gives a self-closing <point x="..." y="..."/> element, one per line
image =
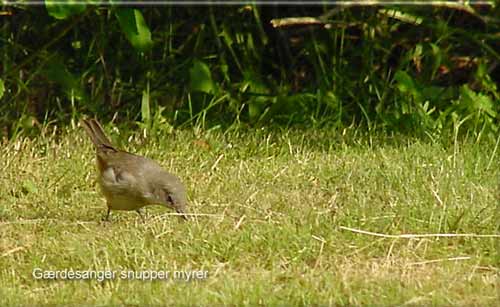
<point x="130" y="182"/>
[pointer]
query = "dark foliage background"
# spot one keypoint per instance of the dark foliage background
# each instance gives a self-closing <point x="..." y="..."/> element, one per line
<point x="423" y="70"/>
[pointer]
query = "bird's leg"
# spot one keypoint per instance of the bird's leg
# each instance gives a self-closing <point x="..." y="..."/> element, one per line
<point x="106" y="218"/>
<point x="184" y="216"/>
<point x="140" y="214"/>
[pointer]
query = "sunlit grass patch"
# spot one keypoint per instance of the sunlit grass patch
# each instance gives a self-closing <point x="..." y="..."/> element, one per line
<point x="268" y="209"/>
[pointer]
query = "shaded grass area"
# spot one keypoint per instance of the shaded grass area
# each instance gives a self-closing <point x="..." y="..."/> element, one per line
<point x="275" y="201"/>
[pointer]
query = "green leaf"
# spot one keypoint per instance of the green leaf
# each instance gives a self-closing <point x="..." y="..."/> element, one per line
<point x="201" y="78"/>
<point x="56" y="71"/>
<point x="2" y="88"/>
<point x="476" y="102"/>
<point x="145" y="109"/>
<point x="438" y="58"/>
<point x="227" y="37"/>
<point x="135" y="28"/>
<point x="259" y="99"/>
<point x="64" y="10"/>
<point x="405" y="82"/>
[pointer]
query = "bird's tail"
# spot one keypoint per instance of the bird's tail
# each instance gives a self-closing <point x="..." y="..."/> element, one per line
<point x="96" y="133"/>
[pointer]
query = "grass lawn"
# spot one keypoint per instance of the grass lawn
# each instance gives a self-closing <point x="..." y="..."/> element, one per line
<point x="273" y="207"/>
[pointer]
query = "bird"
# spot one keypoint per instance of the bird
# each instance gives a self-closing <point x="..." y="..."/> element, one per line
<point x="129" y="181"/>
